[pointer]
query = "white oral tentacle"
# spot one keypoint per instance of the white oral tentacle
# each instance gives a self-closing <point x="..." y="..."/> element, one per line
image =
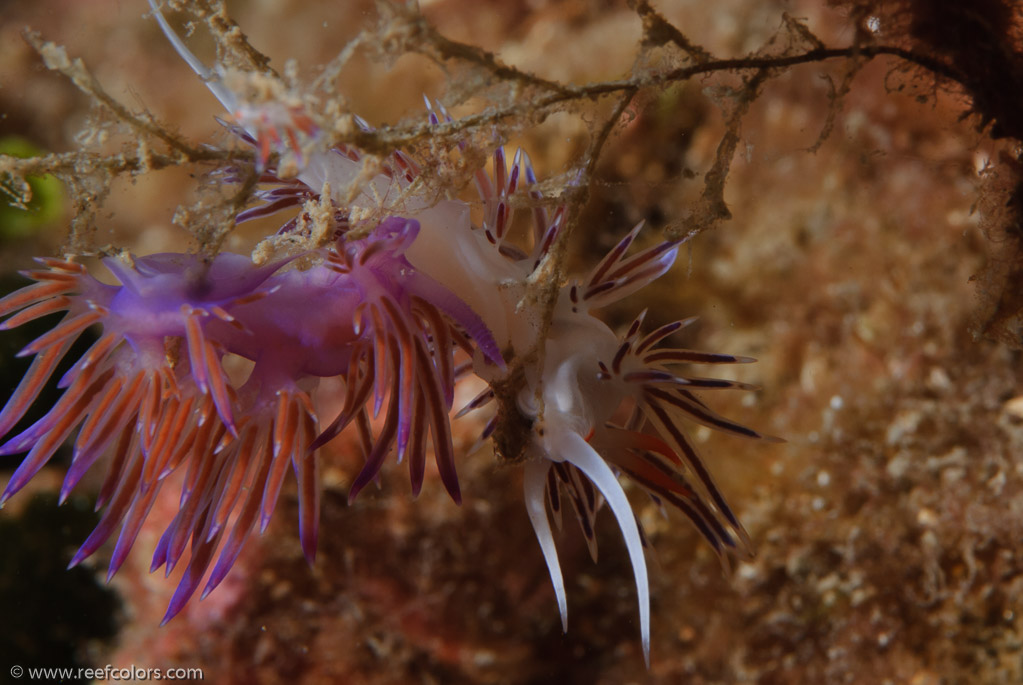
<point x="226" y="97"/>
<point x="571" y="447"/>
<point x="534" y="487"/>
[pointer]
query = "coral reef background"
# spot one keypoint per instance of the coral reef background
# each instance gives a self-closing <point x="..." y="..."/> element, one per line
<point x="860" y="274"/>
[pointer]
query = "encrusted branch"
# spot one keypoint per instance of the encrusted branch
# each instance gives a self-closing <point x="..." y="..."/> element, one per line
<point x="387" y="139"/>
<point x="528" y="99"/>
<point x="414" y="33"/>
<point x="658" y="31"/>
<point x="548" y="97"/>
<point x="546" y="280"/>
<point x="56" y="59"/>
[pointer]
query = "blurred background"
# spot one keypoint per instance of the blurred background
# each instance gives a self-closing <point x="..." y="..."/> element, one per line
<point x="859" y="268"/>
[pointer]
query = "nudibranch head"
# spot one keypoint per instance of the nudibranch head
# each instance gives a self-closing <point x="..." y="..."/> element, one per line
<point x="606" y="405"/>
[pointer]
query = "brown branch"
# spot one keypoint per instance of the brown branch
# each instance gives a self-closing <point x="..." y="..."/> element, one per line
<point x="836" y="94"/>
<point x="226" y="32"/>
<point x="385" y="140"/>
<point x="543" y="287"/>
<point x="56" y="59"/>
<point x="424" y="34"/>
<point x="712" y="207"/>
<point x="69" y="164"/>
<point x="658" y="31"/>
<point x="545" y="281"/>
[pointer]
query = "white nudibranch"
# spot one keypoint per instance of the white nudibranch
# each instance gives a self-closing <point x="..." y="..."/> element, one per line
<point x="600" y="405"/>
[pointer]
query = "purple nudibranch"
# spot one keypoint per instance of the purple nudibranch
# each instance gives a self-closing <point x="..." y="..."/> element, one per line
<point x="153" y="388"/>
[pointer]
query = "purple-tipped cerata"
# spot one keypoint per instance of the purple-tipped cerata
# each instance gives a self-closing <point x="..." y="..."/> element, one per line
<point x="152" y="391"/>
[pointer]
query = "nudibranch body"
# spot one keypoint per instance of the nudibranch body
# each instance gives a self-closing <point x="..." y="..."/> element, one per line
<point x="390" y="309"/>
<point x="155" y="386"/>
